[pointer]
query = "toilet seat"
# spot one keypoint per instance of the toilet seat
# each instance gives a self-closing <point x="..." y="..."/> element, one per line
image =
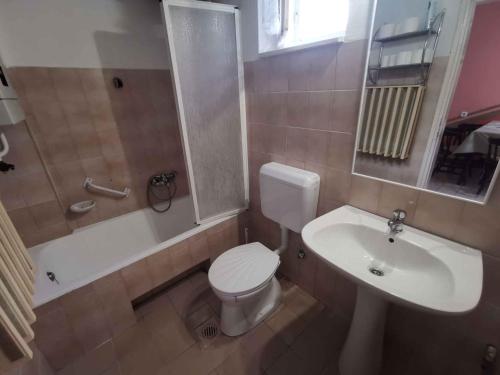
<point x="243" y="269"/>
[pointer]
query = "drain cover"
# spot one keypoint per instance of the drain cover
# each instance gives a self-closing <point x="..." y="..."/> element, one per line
<point x="210" y="331"/>
<point x="376" y="271"/>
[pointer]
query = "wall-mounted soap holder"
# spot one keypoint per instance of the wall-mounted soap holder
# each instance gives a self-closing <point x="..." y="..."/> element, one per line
<point x="82" y="207"/>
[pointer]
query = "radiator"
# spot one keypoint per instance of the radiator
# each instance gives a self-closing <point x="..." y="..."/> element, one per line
<point x="389" y="120"/>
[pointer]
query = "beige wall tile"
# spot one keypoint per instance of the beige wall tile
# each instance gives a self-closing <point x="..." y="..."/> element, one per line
<point x="137" y="279"/>
<point x="47" y="214"/>
<point x="10" y="194"/>
<point x="477" y="226"/>
<point x="261" y="75"/>
<point x="25" y="224"/>
<point x="277" y="67"/>
<point x="115" y="302"/>
<point x="298" y="109"/>
<point x="491" y="280"/>
<point x="337" y="185"/>
<point x="307" y="270"/>
<point x="340" y="151"/>
<point x="393" y="197"/>
<point x="438" y="215"/>
<point x="345" y="111"/>
<point x="321" y="110"/>
<point x="223" y="237"/>
<point x="298" y="71"/>
<point x="198" y="247"/>
<point x="350" y="65"/>
<point x="83" y="126"/>
<point x="160" y="266"/>
<point x="277" y="109"/>
<point x="365" y="193"/>
<point x="325" y="283"/>
<point x="321" y="75"/>
<point x="181" y="257"/>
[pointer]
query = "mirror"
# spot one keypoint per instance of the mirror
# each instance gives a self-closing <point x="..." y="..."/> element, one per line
<point x="430" y="107"/>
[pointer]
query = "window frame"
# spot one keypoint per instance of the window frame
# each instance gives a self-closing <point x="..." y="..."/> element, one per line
<point x="285" y="19"/>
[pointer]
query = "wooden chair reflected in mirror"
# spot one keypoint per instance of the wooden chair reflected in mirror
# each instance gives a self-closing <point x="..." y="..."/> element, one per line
<point x="490" y="164"/>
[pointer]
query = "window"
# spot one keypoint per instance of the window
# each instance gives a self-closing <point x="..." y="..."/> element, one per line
<point x="286" y="24"/>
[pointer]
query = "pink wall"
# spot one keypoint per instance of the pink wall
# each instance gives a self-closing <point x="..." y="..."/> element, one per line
<point x="479" y="84"/>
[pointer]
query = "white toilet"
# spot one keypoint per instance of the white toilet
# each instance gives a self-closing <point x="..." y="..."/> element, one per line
<point x="243" y="277"/>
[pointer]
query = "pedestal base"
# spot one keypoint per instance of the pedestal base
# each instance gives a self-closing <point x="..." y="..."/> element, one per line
<point x="362" y="352"/>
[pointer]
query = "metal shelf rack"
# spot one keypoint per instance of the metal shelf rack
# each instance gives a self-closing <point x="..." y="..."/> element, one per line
<point x="431" y="36"/>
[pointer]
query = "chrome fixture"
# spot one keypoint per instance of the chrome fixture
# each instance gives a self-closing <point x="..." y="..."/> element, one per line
<point x="164" y="183"/>
<point x="52" y="277"/>
<point x="396" y="222"/>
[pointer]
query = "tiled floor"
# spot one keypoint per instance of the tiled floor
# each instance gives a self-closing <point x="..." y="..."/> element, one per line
<point x="300" y="337"/>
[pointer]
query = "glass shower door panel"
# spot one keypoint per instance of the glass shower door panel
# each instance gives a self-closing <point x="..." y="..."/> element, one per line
<point x="205" y="53"/>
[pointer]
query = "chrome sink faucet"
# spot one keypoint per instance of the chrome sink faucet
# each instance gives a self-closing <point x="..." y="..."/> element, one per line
<point x="396" y="222"/>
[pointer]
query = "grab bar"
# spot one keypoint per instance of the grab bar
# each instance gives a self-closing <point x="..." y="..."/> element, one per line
<point x="89" y="185"/>
<point x="5" y="146"/>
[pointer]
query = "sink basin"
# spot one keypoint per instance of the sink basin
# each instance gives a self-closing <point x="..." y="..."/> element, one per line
<point x="414" y="268"/>
<point x="418" y="268"/>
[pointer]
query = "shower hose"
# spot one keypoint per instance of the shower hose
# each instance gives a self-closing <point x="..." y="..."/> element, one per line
<point x="165" y="183"/>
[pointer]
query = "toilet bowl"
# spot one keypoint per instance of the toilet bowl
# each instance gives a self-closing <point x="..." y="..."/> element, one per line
<point x="243" y="278"/>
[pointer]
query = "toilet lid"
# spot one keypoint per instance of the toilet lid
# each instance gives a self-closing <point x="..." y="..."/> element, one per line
<point x="243" y="269"/>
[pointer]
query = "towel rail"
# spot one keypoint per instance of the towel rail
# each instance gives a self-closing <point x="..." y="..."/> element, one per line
<point x="88" y="184"/>
<point x="5" y="146"/>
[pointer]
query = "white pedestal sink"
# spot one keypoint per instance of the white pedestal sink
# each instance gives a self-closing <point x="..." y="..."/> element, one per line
<point x="414" y="268"/>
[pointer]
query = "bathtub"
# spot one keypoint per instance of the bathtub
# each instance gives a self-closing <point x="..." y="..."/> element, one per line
<point x="97" y="250"/>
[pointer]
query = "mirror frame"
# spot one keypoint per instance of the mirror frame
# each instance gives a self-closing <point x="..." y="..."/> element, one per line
<point x="450" y="82"/>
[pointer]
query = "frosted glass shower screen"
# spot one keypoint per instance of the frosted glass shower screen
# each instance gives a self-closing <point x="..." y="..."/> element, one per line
<point x="204" y="46"/>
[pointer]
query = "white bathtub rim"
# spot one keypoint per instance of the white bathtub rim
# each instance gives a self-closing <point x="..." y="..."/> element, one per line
<point x="119" y="265"/>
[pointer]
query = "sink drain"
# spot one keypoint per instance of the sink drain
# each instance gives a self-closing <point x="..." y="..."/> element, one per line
<point x="376" y="271"/>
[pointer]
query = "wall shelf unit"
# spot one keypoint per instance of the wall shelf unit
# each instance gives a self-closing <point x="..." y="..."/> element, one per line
<point x="429" y="37"/>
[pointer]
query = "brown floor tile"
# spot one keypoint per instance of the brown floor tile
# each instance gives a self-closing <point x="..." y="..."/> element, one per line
<point x="322" y="339"/>
<point x="300" y="302"/>
<point x="137" y="352"/>
<point x="190" y="294"/>
<point x="198" y="361"/>
<point x="162" y="344"/>
<point x="286" y="324"/>
<point x="95" y="362"/>
<point x="291" y="364"/>
<point x="169" y="333"/>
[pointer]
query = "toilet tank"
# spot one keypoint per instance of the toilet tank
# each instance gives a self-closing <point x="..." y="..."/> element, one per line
<point x="288" y="195"/>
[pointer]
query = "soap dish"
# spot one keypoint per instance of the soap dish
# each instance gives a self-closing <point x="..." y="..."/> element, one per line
<point x="82" y="207"/>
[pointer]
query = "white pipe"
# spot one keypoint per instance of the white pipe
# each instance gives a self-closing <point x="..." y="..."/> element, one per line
<point x="284" y="240"/>
<point x="89" y="185"/>
<point x="5" y="146"/>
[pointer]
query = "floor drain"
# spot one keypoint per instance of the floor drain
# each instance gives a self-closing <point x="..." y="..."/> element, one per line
<point x="208" y="332"/>
<point x="376" y="271"/>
